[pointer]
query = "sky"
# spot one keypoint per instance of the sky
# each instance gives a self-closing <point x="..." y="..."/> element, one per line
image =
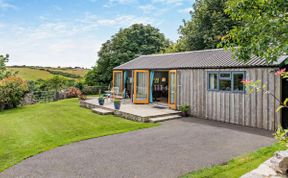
<point x="70" y="32"/>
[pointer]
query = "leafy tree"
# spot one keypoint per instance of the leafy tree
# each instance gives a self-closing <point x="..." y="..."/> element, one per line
<point x="124" y="46"/>
<point x="265" y="33"/>
<point x="3" y="70"/>
<point x="209" y="22"/>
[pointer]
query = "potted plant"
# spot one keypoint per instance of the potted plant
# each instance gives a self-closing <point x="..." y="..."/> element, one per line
<point x="82" y="97"/>
<point x="101" y="100"/>
<point x="184" y="110"/>
<point x="117" y="103"/>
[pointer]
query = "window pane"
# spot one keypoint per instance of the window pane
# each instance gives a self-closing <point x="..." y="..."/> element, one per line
<point x="225" y="85"/>
<point x="117" y="82"/>
<point x="172" y="87"/>
<point x="213" y="84"/>
<point x="224" y="75"/>
<point x="237" y="84"/>
<point x="142" y="85"/>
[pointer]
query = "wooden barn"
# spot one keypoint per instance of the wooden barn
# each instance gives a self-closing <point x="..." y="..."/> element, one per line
<point x="210" y="82"/>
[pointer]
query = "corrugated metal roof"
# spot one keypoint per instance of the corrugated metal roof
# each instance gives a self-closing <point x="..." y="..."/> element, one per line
<point x="216" y="58"/>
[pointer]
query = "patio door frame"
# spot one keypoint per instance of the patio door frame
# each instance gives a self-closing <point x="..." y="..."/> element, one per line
<point x="121" y="82"/>
<point x="145" y="101"/>
<point x="172" y="105"/>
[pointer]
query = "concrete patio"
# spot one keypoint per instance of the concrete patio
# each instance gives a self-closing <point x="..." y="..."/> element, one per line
<point x="128" y="110"/>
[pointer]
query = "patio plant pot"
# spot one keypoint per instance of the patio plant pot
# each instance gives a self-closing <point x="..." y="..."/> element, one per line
<point x="117" y="104"/>
<point x="184" y="110"/>
<point x="101" y="101"/>
<point x="184" y="114"/>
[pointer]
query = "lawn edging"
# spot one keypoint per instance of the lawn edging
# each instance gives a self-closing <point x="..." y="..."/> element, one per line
<point x="237" y="166"/>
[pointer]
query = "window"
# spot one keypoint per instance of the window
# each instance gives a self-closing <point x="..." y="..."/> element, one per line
<point x="237" y="84"/>
<point x="225" y="85"/>
<point x="226" y="81"/>
<point x="213" y="81"/>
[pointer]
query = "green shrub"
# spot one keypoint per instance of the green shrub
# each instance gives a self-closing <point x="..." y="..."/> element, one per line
<point x="12" y="90"/>
<point x="184" y="108"/>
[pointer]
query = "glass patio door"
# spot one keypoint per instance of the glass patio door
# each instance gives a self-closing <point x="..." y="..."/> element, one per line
<point x="172" y="89"/>
<point x="141" y="86"/>
<point x="117" y="82"/>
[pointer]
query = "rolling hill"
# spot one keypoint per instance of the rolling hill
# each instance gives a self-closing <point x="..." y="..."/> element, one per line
<point x="35" y="73"/>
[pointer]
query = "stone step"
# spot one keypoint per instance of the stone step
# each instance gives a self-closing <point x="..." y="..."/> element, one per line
<point x="174" y="113"/>
<point x="102" y="111"/>
<point x="164" y="118"/>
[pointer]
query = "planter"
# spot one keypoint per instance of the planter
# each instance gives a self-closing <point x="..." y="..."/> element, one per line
<point x="117" y="106"/>
<point x="184" y="114"/>
<point x="101" y="102"/>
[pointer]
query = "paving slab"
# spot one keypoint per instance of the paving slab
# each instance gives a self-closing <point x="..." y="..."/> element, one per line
<point x="168" y="151"/>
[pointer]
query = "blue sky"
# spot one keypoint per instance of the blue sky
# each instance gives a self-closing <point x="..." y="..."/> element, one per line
<point x="70" y="32"/>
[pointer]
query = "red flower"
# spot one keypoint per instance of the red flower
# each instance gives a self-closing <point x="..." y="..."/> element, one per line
<point x="280" y="72"/>
<point x="246" y="82"/>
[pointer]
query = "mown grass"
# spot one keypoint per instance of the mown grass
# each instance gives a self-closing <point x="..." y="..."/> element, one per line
<point x="29" y="130"/>
<point x="237" y="166"/>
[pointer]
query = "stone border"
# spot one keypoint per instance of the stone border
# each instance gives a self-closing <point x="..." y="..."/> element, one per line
<point x="124" y="115"/>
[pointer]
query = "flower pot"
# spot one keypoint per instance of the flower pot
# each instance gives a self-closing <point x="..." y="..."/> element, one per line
<point x="184" y="114"/>
<point x="117" y="106"/>
<point x="101" y="101"/>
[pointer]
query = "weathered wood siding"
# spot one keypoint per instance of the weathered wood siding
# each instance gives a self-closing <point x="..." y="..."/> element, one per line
<point x="254" y="110"/>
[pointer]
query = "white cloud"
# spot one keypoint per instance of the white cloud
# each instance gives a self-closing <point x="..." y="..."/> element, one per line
<point x="2" y="25"/>
<point x="61" y="43"/>
<point x="185" y="11"/>
<point x="124" y="21"/>
<point x="147" y="8"/>
<point x="112" y="3"/>
<point x="5" y="5"/>
<point x="122" y="1"/>
<point x="118" y="21"/>
<point x="174" y="2"/>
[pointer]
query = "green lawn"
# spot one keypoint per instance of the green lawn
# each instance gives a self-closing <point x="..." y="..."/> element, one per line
<point x="237" y="166"/>
<point x="32" y="129"/>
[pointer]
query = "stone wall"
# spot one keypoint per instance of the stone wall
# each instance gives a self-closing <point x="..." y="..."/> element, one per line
<point x="275" y="167"/>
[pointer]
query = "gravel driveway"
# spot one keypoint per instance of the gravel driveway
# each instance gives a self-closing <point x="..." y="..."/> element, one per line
<point x="170" y="150"/>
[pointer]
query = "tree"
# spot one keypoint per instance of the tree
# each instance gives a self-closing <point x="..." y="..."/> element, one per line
<point x="3" y="70"/>
<point x="265" y="33"/>
<point x="124" y="46"/>
<point x="209" y="22"/>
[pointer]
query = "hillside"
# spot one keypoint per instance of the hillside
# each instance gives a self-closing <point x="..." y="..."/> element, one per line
<point x="35" y="73"/>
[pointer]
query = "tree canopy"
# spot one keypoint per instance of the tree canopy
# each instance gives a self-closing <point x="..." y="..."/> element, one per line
<point x="265" y="29"/>
<point x="3" y="70"/>
<point x="208" y="23"/>
<point x="124" y="46"/>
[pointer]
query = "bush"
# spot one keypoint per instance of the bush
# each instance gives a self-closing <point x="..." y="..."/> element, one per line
<point x="12" y="90"/>
<point x="73" y="92"/>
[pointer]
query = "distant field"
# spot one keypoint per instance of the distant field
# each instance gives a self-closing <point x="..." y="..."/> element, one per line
<point x="28" y="73"/>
